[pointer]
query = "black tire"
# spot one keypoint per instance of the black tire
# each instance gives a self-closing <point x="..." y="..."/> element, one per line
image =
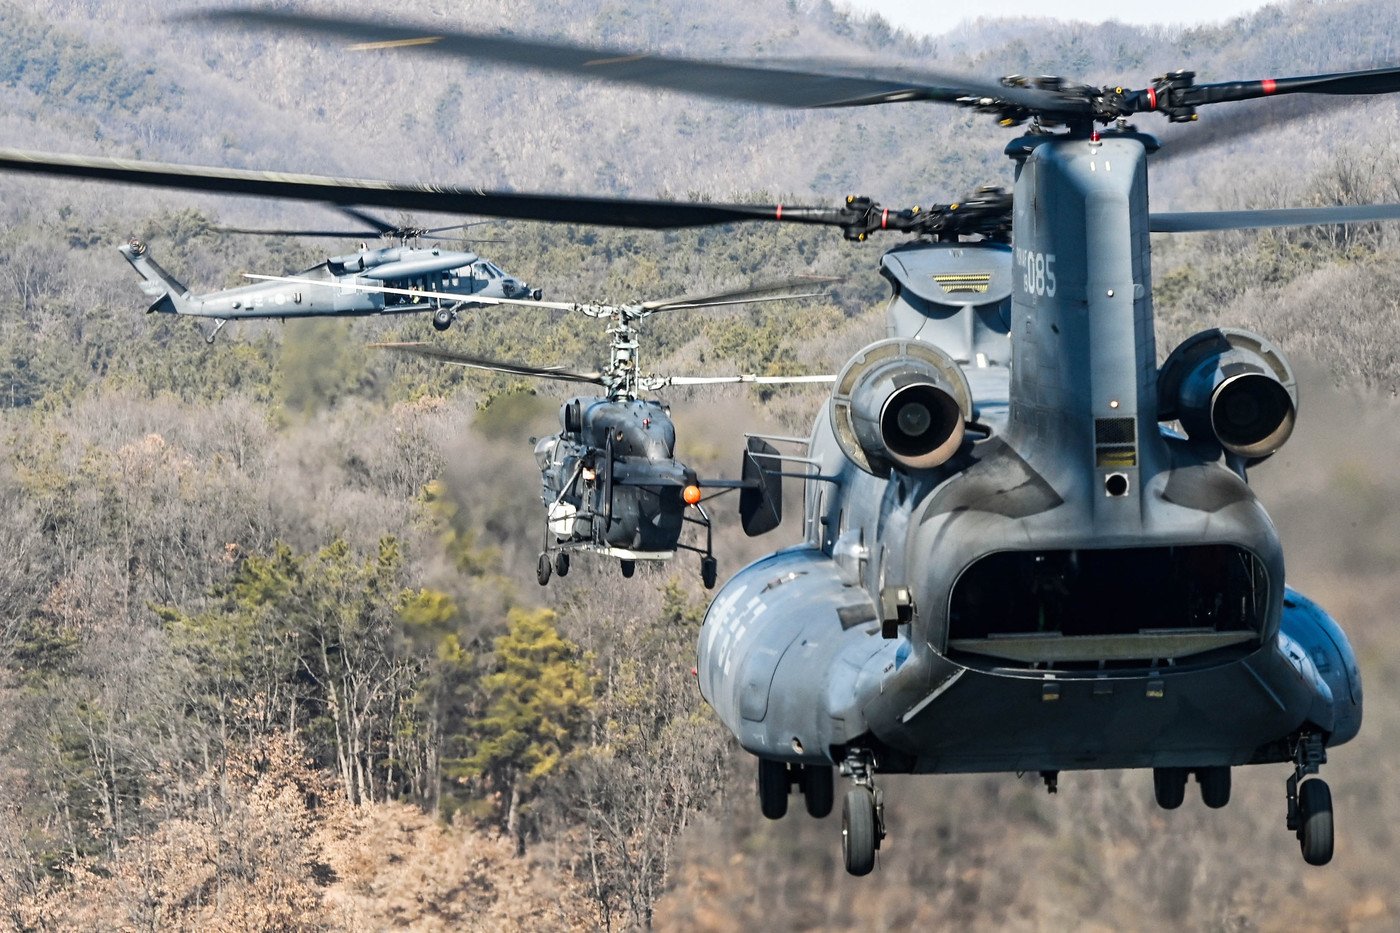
<point x="819" y="790"/>
<point x="1215" y="786"/>
<point x="858" y="831"/>
<point x="542" y="570"/>
<point x="442" y="320"/>
<point x="709" y="572"/>
<point x="1169" y="786"/>
<point x="561" y="564"/>
<point x="629" y="567"/>
<point x="1315" y="833"/>
<point x="773" y="784"/>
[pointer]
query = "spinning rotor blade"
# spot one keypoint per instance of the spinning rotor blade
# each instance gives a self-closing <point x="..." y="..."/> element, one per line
<point x="1014" y="99"/>
<point x="784" y="87"/>
<point x="605" y="212"/>
<point x="658" y="382"/>
<point x="377" y="228"/>
<point x="330" y="234"/>
<point x="735" y="296"/>
<point x="496" y="366"/>
<point x="1198" y="221"/>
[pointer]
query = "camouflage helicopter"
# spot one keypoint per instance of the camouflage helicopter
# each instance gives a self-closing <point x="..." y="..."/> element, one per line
<point x="1027" y="555"/>
<point x="610" y="480"/>
<point x="459" y="276"/>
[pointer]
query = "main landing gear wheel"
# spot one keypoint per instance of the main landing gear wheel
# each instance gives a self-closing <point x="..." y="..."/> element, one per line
<point x="629" y="567"/>
<point x="818" y="789"/>
<point x="542" y="569"/>
<point x="709" y="571"/>
<point x="773" y="784"/>
<point x="1215" y="786"/>
<point x="1315" y="827"/>
<point x="1169" y="786"/>
<point x="561" y="564"/>
<point x="442" y="320"/>
<point x="858" y="830"/>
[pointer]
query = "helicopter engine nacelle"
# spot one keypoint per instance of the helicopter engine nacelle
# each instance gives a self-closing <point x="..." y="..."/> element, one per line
<point x="1232" y="386"/>
<point x="900" y="403"/>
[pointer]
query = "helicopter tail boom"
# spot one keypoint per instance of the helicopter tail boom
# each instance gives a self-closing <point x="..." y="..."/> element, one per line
<point x="168" y="293"/>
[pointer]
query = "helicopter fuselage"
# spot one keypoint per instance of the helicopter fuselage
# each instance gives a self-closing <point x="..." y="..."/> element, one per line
<point x="428" y="269"/>
<point x="610" y="481"/>
<point x="1078" y="586"/>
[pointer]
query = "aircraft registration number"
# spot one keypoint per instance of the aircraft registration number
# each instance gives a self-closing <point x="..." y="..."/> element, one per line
<point x="1037" y="272"/>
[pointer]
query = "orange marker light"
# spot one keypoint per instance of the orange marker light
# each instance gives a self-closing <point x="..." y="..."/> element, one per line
<point x="691" y="495"/>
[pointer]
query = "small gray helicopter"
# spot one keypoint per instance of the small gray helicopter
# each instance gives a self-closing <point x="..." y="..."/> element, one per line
<point x="1012" y="559"/>
<point x="610" y="480"/>
<point x="459" y="277"/>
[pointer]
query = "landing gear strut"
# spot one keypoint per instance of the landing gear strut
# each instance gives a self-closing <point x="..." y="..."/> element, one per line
<point x="862" y="815"/>
<point x="1310" y="802"/>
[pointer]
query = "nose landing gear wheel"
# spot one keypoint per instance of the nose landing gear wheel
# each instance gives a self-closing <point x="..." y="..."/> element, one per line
<point x="542" y="570"/>
<point x="442" y="320"/>
<point x="561" y="564"/>
<point x="629" y="567"/>
<point x="858" y="830"/>
<point x="1169" y="786"/>
<point x="1315" y="831"/>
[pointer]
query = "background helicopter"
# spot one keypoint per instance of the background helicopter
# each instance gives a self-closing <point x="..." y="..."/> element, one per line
<point x="1060" y="366"/>
<point x="610" y="480"/>
<point x="454" y="276"/>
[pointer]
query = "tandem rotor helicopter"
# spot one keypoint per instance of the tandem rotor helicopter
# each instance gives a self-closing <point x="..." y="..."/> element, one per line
<point x="1012" y="560"/>
<point x="610" y="480"/>
<point x="458" y="278"/>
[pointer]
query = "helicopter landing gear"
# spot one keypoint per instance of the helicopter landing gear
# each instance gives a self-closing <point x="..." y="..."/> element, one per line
<point x="1310" y="802"/>
<point x="219" y="323"/>
<point x="629" y="567"/>
<point x="442" y="320"/>
<point x="709" y="571"/>
<point x="818" y="783"/>
<point x="774" y="781"/>
<point x="1169" y="787"/>
<point x="776" y="778"/>
<point x="1215" y="785"/>
<point x="862" y="814"/>
<point x="542" y="569"/>
<point x="561" y="564"/>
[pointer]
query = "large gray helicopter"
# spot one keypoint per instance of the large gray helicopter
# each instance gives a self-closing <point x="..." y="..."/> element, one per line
<point x="610" y="480"/>
<point x="1012" y="560"/>
<point x="459" y="277"/>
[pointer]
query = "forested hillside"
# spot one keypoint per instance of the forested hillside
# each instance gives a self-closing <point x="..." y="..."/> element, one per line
<point x="271" y="651"/>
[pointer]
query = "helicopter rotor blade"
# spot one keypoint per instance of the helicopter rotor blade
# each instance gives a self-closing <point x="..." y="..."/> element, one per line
<point x="383" y="228"/>
<point x="1200" y="221"/>
<point x="600" y="211"/>
<point x="729" y="296"/>
<point x="429" y="351"/>
<point x="659" y="382"/>
<point x="330" y="234"/>
<point x="784" y="87"/>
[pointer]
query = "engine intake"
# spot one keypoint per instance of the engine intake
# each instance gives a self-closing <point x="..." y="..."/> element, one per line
<point x="1232" y="386"/>
<point x="900" y="403"/>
